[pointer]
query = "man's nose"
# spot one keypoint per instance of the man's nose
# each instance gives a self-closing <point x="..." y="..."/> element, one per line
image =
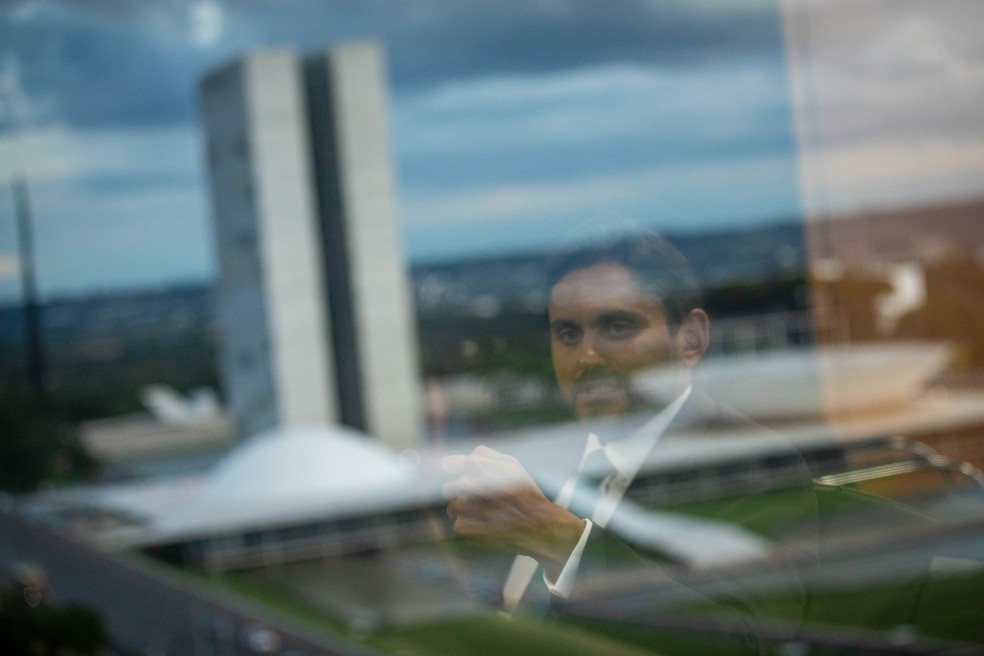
<point x="589" y="353"/>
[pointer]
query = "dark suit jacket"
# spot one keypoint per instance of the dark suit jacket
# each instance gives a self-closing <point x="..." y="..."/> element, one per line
<point x="619" y="580"/>
<point x="639" y="595"/>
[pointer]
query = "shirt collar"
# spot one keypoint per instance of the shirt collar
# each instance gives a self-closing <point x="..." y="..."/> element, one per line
<point x="628" y="453"/>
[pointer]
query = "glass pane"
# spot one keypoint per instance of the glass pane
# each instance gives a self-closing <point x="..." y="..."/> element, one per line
<point x="492" y="327"/>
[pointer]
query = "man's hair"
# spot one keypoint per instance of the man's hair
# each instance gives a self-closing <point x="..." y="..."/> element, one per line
<point x="656" y="266"/>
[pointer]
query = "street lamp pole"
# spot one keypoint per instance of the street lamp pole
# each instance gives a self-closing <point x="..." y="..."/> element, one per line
<point x="32" y="312"/>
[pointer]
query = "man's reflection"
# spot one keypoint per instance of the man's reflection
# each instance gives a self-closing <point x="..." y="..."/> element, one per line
<point x="617" y="311"/>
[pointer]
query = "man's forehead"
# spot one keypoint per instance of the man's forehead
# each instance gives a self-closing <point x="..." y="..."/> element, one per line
<point x="599" y="282"/>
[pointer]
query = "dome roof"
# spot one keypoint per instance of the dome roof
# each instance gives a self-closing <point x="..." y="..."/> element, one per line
<point x="290" y="474"/>
<point x="305" y="464"/>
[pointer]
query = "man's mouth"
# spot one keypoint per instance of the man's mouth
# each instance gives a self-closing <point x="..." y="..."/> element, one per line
<point x="600" y="391"/>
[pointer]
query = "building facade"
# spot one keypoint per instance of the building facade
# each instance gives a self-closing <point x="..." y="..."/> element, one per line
<point x="314" y="311"/>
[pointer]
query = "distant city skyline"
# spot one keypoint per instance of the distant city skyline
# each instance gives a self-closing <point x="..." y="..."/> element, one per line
<point x="511" y="120"/>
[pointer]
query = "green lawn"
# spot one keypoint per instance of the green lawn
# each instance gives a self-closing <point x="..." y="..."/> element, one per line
<point x="949" y="606"/>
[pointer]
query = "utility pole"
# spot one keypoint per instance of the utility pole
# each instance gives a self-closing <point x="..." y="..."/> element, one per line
<point x="32" y="313"/>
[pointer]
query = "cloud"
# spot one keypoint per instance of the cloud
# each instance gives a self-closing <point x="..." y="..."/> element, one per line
<point x="90" y="240"/>
<point x="111" y="62"/>
<point x="16" y="105"/>
<point x="602" y="118"/>
<point x="95" y="64"/>
<point x="114" y="208"/>
<point x="516" y="217"/>
<point x="9" y="267"/>
<point x="887" y="97"/>
<point x="68" y="155"/>
<point x="684" y="195"/>
<point x="894" y="173"/>
<point x="207" y="23"/>
<point x="878" y="69"/>
<point x="593" y="102"/>
<point x="523" y="37"/>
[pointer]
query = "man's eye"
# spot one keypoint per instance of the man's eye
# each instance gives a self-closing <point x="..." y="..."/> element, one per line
<point x="620" y="329"/>
<point x="568" y="335"/>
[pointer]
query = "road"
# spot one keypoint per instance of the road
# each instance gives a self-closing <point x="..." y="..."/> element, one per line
<point x="149" y="613"/>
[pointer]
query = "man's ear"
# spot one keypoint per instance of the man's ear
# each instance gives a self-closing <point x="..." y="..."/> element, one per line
<point x="693" y="337"/>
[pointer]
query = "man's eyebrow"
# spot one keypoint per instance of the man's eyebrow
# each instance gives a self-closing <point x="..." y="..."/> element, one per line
<point x="619" y="315"/>
<point x="557" y="324"/>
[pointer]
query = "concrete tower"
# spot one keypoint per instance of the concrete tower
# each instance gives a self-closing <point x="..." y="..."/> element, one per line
<point x="314" y="306"/>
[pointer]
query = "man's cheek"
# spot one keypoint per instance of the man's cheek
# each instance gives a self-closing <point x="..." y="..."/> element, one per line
<point x="648" y="355"/>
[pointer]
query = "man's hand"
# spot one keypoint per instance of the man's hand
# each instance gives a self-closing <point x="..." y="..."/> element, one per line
<point x="494" y="502"/>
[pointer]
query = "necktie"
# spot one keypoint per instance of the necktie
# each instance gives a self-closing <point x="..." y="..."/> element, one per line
<point x="591" y="485"/>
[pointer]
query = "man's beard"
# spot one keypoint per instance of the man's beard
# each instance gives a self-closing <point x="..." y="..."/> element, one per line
<point x="603" y="394"/>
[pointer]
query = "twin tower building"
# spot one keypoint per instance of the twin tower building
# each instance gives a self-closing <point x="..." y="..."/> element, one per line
<point x="313" y="304"/>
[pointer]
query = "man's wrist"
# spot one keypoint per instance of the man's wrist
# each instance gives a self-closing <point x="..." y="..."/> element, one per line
<point x="563" y="585"/>
<point x="555" y="550"/>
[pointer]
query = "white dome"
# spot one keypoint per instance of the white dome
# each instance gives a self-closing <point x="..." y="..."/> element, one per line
<point x="306" y="464"/>
<point x="291" y="474"/>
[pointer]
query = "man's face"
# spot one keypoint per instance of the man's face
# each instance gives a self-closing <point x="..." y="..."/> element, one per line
<point x="603" y="330"/>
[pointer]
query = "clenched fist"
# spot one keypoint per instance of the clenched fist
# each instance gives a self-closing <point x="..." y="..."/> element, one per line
<point x="495" y="502"/>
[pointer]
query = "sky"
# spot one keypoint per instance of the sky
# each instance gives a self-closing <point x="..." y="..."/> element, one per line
<point x="511" y="120"/>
